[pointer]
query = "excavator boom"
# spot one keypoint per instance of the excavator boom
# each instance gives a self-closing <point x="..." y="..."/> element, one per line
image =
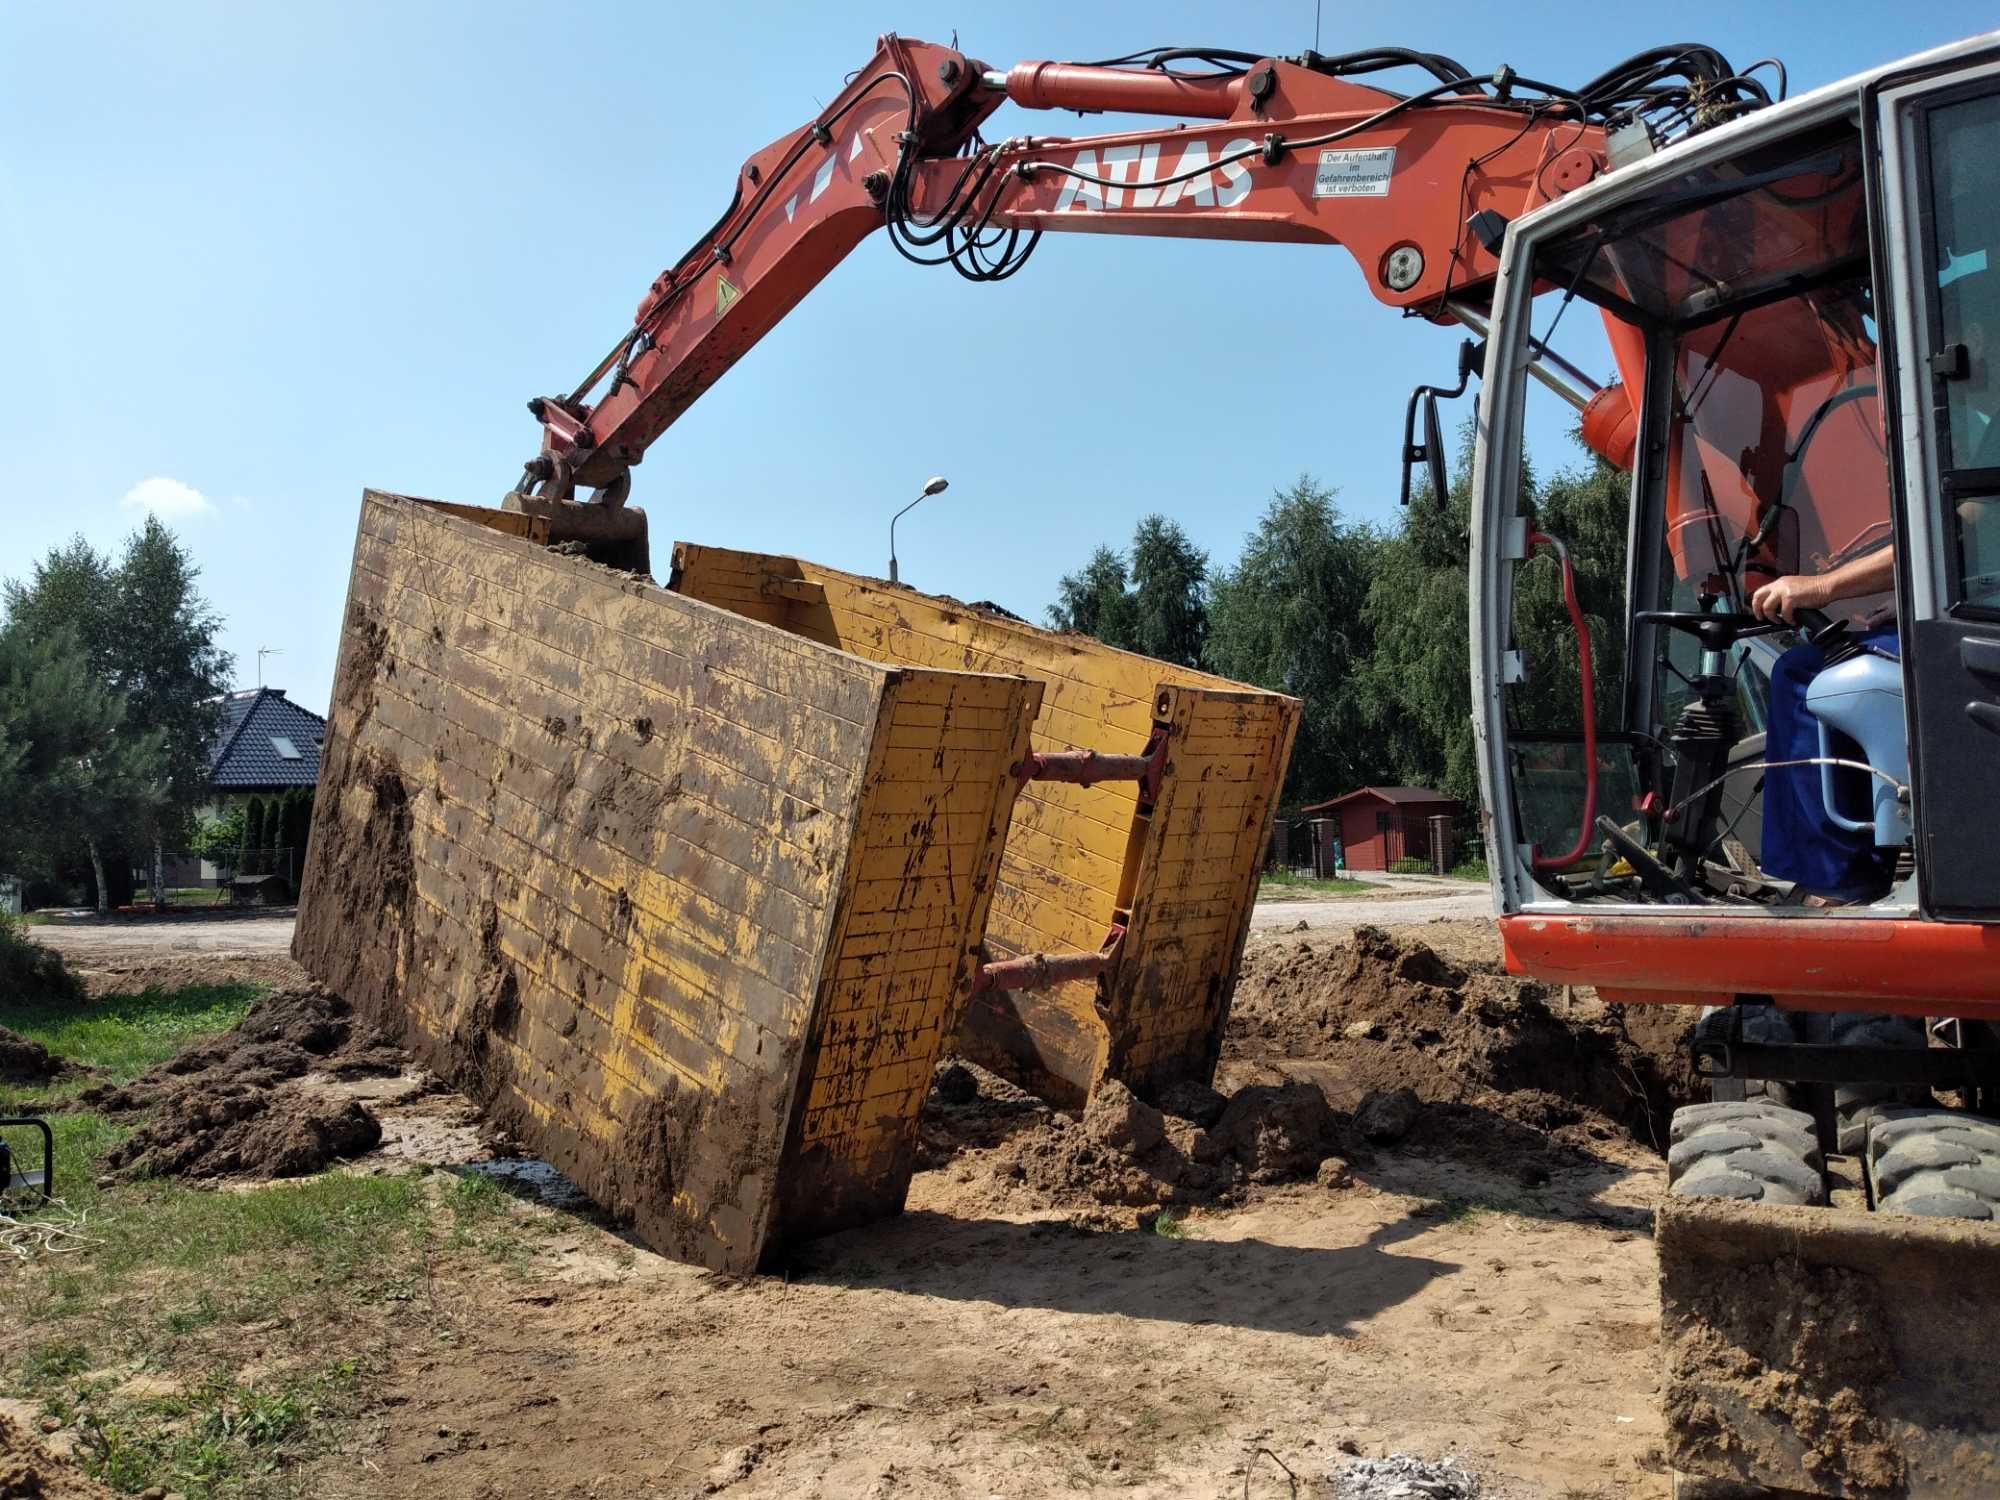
<point x="1417" y="187"/>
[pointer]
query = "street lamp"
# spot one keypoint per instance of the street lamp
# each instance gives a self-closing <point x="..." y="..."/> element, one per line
<point x="934" y="486"/>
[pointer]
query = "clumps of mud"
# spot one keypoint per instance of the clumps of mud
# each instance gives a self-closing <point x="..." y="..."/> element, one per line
<point x="28" y="1471"/>
<point x="1474" y="1046"/>
<point x="240" y="1105"/>
<point x="23" y="1060"/>
<point x="1195" y="1147"/>
<point x="32" y="971"/>
<point x="1331" y="1054"/>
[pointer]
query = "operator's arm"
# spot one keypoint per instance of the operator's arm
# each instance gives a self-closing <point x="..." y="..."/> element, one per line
<point x="1856" y="578"/>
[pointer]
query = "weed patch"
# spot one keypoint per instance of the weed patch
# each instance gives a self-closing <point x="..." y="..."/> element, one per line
<point x="1286" y="882"/>
<point x="29" y="971"/>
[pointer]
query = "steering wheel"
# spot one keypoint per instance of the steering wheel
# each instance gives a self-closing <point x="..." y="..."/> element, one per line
<point x="1717" y="630"/>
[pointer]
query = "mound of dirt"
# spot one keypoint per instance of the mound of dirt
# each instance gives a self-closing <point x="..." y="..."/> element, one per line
<point x="243" y="1131"/>
<point x="237" y="1105"/>
<point x="1378" y="1014"/>
<point x="1202" y="1148"/>
<point x="28" y="1471"/>
<point x="25" y="1060"/>
<point x="179" y="971"/>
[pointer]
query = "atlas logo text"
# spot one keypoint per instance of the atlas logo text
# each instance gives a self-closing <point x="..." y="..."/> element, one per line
<point x="1211" y="180"/>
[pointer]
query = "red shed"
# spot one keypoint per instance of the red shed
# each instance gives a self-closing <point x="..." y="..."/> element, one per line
<point x="1382" y="824"/>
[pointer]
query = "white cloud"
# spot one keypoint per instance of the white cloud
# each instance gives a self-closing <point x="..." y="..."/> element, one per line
<point x="168" y="499"/>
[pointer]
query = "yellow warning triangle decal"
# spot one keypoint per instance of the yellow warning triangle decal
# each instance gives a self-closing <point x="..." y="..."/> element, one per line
<point x="725" y="295"/>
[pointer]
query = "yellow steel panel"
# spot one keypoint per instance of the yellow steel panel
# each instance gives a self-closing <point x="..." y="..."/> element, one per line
<point x="589" y="844"/>
<point x="1068" y="850"/>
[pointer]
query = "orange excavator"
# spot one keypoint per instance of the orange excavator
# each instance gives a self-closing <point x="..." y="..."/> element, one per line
<point x="1787" y="808"/>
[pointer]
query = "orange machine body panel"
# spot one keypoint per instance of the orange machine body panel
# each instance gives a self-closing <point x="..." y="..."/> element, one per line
<point x="1806" y="962"/>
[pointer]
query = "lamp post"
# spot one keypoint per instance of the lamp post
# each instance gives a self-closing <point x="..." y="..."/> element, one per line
<point x="935" y="485"/>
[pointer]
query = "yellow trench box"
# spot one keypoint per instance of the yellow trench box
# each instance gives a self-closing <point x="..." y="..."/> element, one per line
<point x="1177" y="874"/>
<point x="688" y="901"/>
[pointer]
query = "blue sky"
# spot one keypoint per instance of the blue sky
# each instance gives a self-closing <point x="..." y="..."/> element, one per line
<point x="255" y="257"/>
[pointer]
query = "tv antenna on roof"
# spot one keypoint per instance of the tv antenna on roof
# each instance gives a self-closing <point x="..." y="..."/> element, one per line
<point x="262" y="652"/>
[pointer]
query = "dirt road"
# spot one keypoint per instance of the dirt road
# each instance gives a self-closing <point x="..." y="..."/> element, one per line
<point x="90" y="941"/>
<point x="1336" y="914"/>
<point x="157" y="938"/>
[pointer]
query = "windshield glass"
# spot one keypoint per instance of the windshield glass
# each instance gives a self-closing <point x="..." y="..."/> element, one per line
<point x="1750" y="278"/>
<point x="1725" y="236"/>
<point x="1752" y="275"/>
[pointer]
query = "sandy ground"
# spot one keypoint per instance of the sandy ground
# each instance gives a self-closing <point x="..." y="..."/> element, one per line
<point x="90" y="939"/>
<point x="1428" y="1304"/>
<point x="1336" y="914"/>
<point x="941" y="1355"/>
<point x="1396" y="905"/>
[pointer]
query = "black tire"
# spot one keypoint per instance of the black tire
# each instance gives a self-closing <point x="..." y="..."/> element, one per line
<point x="1855" y="1104"/>
<point x="1763" y="1024"/>
<point x="1751" y="1151"/>
<point x="1934" y="1163"/>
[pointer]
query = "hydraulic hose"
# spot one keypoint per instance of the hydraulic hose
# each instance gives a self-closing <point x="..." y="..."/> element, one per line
<point x="1588" y="824"/>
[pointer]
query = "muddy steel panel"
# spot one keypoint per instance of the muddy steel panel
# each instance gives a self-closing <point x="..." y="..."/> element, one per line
<point x="1830" y="1351"/>
<point x="1078" y="858"/>
<point x="683" y="900"/>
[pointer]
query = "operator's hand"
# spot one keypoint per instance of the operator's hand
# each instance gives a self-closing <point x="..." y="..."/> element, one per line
<point x="1782" y="598"/>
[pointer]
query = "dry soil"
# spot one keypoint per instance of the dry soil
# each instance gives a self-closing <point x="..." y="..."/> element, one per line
<point x="1463" y="1273"/>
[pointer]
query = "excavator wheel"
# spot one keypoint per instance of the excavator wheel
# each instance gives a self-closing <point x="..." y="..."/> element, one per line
<point x="1855" y="1104"/>
<point x="1936" y="1163"/>
<point x="1750" y="1150"/>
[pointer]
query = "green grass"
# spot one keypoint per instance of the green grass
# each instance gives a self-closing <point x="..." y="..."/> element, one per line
<point x="186" y="895"/>
<point x="213" y="1438"/>
<point x="120" y="1036"/>
<point x="188" y="1286"/>
<point x="1168" y="1224"/>
<point x="126" y="1034"/>
<point x="1285" y="880"/>
<point x="192" y="1287"/>
<point x="1471" y="869"/>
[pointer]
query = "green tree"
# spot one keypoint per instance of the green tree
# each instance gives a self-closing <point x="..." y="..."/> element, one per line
<point x="1169" y="592"/>
<point x="172" y="671"/>
<point x="148" y="635"/>
<point x="76" y="774"/>
<point x="1417" y="681"/>
<point x="1587" y="508"/>
<point x="219" y="839"/>
<point x="253" y="824"/>
<point x="1289" y="616"/>
<point x="1418" y="678"/>
<point x="73" y="591"/>
<point x="1096" y="601"/>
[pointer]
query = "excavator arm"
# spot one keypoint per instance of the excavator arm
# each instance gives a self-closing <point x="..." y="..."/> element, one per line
<point x="1418" y="188"/>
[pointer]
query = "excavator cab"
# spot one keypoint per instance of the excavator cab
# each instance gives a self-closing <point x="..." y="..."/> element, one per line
<point x="1807" y="404"/>
<point x="1805" y="307"/>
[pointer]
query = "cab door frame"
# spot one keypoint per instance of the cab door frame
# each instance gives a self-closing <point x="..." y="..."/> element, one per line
<point x="1951" y="645"/>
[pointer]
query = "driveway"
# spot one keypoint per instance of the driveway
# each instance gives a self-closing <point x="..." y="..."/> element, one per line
<point x="149" y="938"/>
<point x="153" y="937"/>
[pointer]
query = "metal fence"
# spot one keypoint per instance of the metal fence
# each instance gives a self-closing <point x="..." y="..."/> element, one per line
<point x="241" y="877"/>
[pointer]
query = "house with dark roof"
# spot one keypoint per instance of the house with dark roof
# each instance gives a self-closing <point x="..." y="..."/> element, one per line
<point x="1379" y="825"/>
<point x="268" y="746"/>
